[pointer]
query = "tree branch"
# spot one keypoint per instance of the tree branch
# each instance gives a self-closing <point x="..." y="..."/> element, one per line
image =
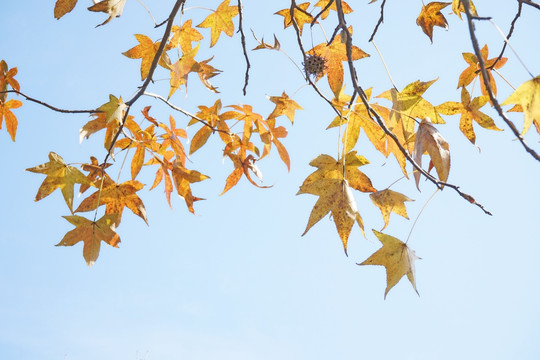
<point x="485" y="78"/>
<point x="54" y="108"/>
<point x="373" y="114"/>
<point x="530" y="3"/>
<point x="381" y="19"/>
<point x="243" y="37"/>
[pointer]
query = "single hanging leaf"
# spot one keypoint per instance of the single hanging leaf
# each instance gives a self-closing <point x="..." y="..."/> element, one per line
<point x="431" y="16"/>
<point x="301" y="16"/>
<point x="115" y="197"/>
<point x="284" y="106"/>
<point x="335" y="193"/>
<point x="470" y="110"/>
<point x="220" y="21"/>
<point x="9" y="116"/>
<point x="390" y="201"/>
<point x="92" y="234"/>
<point x="112" y="7"/>
<point x="470" y="73"/>
<point x="528" y="96"/>
<point x="458" y="8"/>
<point x="334" y="55"/>
<point x="183" y="178"/>
<point x="146" y="50"/>
<point x="429" y="140"/>
<point x="396" y="257"/>
<point x="59" y="176"/>
<point x="62" y="7"/>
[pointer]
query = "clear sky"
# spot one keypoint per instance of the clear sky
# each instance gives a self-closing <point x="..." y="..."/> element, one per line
<point x="237" y="281"/>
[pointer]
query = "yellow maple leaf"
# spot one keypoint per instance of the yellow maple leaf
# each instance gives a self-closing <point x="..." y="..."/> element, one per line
<point x="528" y="96"/>
<point x="220" y="21"/>
<point x="334" y="55"/>
<point x="396" y="257"/>
<point x="113" y="8"/>
<point x="59" y="176"/>
<point x="114" y="109"/>
<point x="431" y="16"/>
<point x="182" y="68"/>
<point x="458" y="8"/>
<point x="301" y="16"/>
<point x="470" y="110"/>
<point x="92" y="233"/>
<point x="389" y="201"/>
<point x="429" y="140"/>
<point x="324" y="3"/>
<point x="284" y="106"/>
<point x="146" y="51"/>
<point x="334" y="191"/>
<point x="184" y="36"/>
<point x="116" y="197"/>
<point x="62" y="7"/>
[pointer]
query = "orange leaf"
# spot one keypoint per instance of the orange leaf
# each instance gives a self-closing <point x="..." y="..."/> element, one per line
<point x="431" y="16"/>
<point x="470" y="73"/>
<point x="334" y="54"/>
<point x="470" y="110"/>
<point x="220" y="21"/>
<point x="92" y="233"/>
<point x="62" y="7"/>
<point x="183" y="178"/>
<point x="116" y="197"/>
<point x="146" y="50"/>
<point x="301" y="16"/>
<point x="11" y="119"/>
<point x="184" y="36"/>
<point x="181" y="69"/>
<point x="284" y="106"/>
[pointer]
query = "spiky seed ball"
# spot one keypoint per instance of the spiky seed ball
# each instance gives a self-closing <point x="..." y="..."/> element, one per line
<point x="314" y="65"/>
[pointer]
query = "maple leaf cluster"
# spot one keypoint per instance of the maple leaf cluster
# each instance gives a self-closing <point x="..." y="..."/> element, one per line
<point x="404" y="124"/>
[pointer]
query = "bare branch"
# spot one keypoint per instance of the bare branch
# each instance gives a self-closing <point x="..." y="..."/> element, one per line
<point x="530" y="3"/>
<point x="510" y="32"/>
<point x="381" y="19"/>
<point x="321" y="12"/>
<point x="243" y="37"/>
<point x="50" y="106"/>
<point x="485" y="78"/>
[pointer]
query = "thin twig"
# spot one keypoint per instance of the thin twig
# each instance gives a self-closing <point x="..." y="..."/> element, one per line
<point x="381" y="19"/>
<point x="54" y="108"/>
<point x="485" y="78"/>
<point x="314" y="21"/>
<point x="185" y="112"/>
<point x="243" y="37"/>
<point x="510" y="32"/>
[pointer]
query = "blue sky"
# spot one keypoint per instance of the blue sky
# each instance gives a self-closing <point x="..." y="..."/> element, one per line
<point x="237" y="281"/>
